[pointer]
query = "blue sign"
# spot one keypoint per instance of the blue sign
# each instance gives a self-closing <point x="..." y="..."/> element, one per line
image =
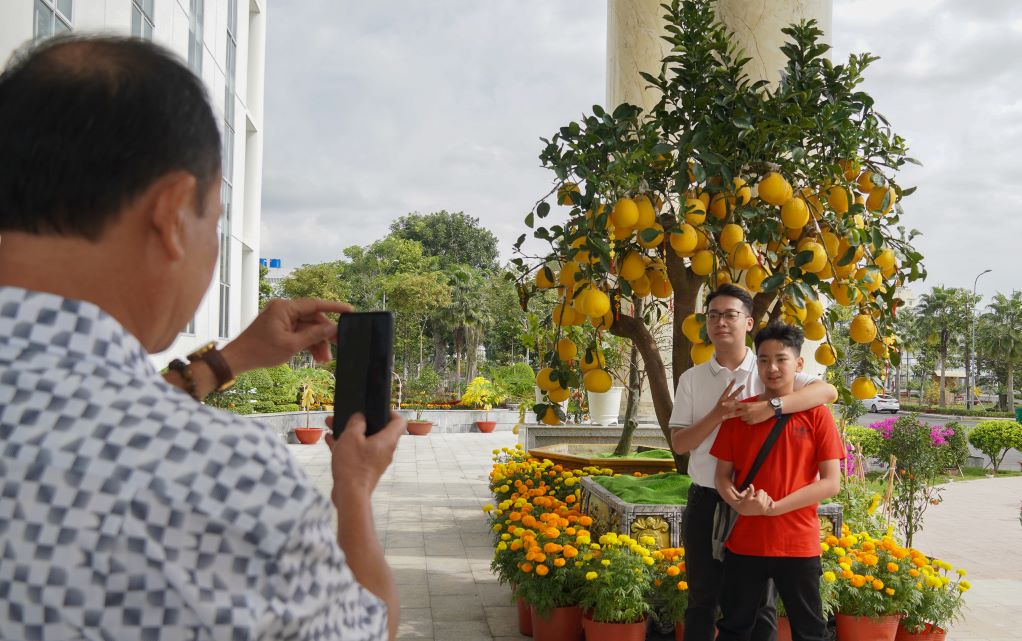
<point x="270" y="262"/>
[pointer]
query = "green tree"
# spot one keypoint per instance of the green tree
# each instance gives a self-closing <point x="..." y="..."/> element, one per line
<point x="265" y="289"/>
<point x="465" y="320"/>
<point x="322" y="280"/>
<point x="454" y="238"/>
<point x="368" y="270"/>
<point x="1002" y="338"/>
<point x="414" y="298"/>
<point x="943" y="315"/>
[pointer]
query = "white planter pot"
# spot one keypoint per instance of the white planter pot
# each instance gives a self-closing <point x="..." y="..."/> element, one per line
<point x="604" y="407"/>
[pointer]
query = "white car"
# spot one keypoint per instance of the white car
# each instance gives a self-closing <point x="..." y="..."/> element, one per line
<point x="883" y="403"/>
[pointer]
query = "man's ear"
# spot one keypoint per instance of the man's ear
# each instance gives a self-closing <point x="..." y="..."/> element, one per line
<point x="168" y="202"/>
<point x="799" y="363"/>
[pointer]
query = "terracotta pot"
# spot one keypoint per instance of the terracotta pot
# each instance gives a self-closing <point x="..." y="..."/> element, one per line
<point x="783" y="629"/>
<point x="308" y="435"/>
<point x="419" y="428"/>
<point x="679" y="631"/>
<point x="598" y="631"/>
<point x="486" y="426"/>
<point x="928" y="633"/>
<point x="524" y="617"/>
<point x="561" y="624"/>
<point x="850" y="628"/>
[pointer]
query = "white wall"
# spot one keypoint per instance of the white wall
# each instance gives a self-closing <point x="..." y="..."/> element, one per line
<point x="171" y="20"/>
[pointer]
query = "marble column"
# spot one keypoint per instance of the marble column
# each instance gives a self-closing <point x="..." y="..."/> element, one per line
<point x="634" y="43"/>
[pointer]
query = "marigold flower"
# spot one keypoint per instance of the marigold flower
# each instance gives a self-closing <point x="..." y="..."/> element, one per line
<point x="829" y="576"/>
<point x="585" y="521"/>
<point x="569" y="552"/>
<point x="648" y="560"/>
<point x="682" y="585"/>
<point x="525" y="567"/>
<point x="961" y="571"/>
<point x="542" y="570"/>
<point x="647" y="540"/>
<point x="893" y="567"/>
<point x="605" y="562"/>
<point x="878" y="584"/>
<point x="964" y="585"/>
<point x="858" y="580"/>
<point x="913" y="572"/>
<point x="673" y="570"/>
<point x="502" y="546"/>
<point x="889" y="591"/>
<point x="552" y="533"/>
<point x="552" y="548"/>
<point x="590" y="576"/>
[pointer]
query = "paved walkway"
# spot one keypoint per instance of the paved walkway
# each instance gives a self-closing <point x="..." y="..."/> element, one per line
<point x="429" y="518"/>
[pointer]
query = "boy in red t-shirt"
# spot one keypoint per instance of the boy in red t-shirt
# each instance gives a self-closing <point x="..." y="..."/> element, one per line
<point x="777" y="534"/>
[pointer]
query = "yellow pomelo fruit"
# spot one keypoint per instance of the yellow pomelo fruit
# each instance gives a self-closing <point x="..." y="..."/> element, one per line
<point x="814" y="310"/>
<point x="691" y="328"/>
<point x="702" y="239"/>
<point x="543" y="381"/>
<point x="795" y="213"/>
<point x="566" y="349"/>
<point x="837" y="198"/>
<point x="730" y="236"/>
<point x="843" y="248"/>
<point x="623" y="233"/>
<point x="564" y="192"/>
<point x="647" y="216"/>
<point x="754" y="278"/>
<point x="742" y="191"/>
<point x="695" y="211"/>
<point x="544" y="277"/>
<point x="814" y="330"/>
<point x="723" y="277"/>
<point x="593" y="218"/>
<point x="819" y="257"/>
<point x="597" y="380"/>
<point x="659" y="285"/>
<point x="593" y="359"/>
<point x="826" y="273"/>
<point x="703" y="262"/>
<point x="877" y="195"/>
<point x="550" y="417"/>
<point x="863" y="388"/>
<point x="655" y="241"/>
<point x="879" y="349"/>
<point x="743" y="256"/>
<point x="641" y="286"/>
<point x="831" y="243"/>
<point x="563" y="314"/>
<point x="825" y="355"/>
<point x="704" y="196"/>
<point x="701" y="353"/>
<point x="626" y="213"/>
<point x="884" y="260"/>
<point x="567" y="275"/>
<point x="792" y="310"/>
<point x="602" y="322"/>
<point x="719" y="205"/>
<point x="684" y="239"/>
<point x="558" y="395"/>
<point x="849" y="168"/>
<point x="632" y="266"/>
<point x="774" y="189"/>
<point x="812" y="202"/>
<point x="844" y="295"/>
<point x="863" y="329"/>
<point x="597" y="303"/>
<point x="870" y="278"/>
<point x="865" y="182"/>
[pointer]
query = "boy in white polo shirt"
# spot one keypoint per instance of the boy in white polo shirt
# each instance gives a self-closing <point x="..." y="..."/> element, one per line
<point x="707" y="395"/>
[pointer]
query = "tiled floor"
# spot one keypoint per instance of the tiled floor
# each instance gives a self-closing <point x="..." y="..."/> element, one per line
<point x="428" y="515"/>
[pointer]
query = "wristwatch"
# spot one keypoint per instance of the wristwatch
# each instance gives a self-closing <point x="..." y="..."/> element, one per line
<point x="775" y="403"/>
<point x="211" y="356"/>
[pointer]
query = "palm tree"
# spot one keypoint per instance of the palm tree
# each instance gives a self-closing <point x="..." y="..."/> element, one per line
<point x="943" y="315"/>
<point x="464" y="317"/>
<point x="1002" y="336"/>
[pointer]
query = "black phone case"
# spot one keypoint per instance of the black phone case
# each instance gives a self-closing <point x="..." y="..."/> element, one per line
<point x="365" y="362"/>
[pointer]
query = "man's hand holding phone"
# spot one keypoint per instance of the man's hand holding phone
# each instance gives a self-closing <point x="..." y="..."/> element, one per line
<point x="358" y="461"/>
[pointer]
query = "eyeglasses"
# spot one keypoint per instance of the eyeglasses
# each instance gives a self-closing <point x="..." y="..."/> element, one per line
<point x="730" y="316"/>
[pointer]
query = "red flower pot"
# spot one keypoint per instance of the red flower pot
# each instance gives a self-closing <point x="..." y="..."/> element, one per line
<point x="783" y="629"/>
<point x="561" y="624"/>
<point x="309" y="435"/>
<point x="929" y="633"/>
<point x="850" y="628"/>
<point x="419" y="428"/>
<point x="524" y="617"/>
<point x="598" y="631"/>
<point x="679" y="631"/>
<point x="486" y="426"/>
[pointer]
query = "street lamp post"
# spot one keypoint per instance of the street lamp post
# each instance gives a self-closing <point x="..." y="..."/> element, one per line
<point x="970" y="380"/>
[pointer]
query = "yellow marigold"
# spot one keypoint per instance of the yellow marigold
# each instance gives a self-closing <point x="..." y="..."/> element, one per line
<point x="824" y="547"/>
<point x="585" y="521"/>
<point x="878" y="584"/>
<point x="913" y="572"/>
<point x="588" y="556"/>
<point x="552" y="548"/>
<point x="682" y="585"/>
<point x="961" y="571"/>
<point x="569" y="552"/>
<point x="542" y="570"/>
<point x="964" y="585"/>
<point x="648" y="560"/>
<point x="847" y="574"/>
<point x="497" y="527"/>
<point x="525" y="567"/>
<point x="831" y="540"/>
<point x="559" y="563"/>
<point x="552" y="533"/>
<point x="858" y="580"/>
<point x="829" y="576"/>
<point x="839" y="551"/>
<point x="889" y="591"/>
<point x="673" y="570"/>
<point x="605" y="563"/>
<point x="893" y="567"/>
<point x="591" y="576"/>
<point x="647" y="540"/>
<point x="870" y="559"/>
<point x="845" y="566"/>
<point x="516" y="545"/>
<point x="502" y="546"/>
<point x="488" y="508"/>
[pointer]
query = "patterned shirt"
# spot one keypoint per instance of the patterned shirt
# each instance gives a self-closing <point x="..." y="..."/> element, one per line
<point x="128" y="511"/>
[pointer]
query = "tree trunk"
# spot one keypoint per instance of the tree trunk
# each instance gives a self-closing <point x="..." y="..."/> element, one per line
<point x="439" y="354"/>
<point x="968" y="377"/>
<point x="624" y="443"/>
<point x="943" y="360"/>
<point x="1011" y="391"/>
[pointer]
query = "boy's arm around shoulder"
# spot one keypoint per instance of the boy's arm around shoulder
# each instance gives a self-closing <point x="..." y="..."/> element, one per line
<point x="830" y="451"/>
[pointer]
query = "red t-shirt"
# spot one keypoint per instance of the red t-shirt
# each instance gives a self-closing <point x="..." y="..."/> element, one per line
<point x="809" y="438"/>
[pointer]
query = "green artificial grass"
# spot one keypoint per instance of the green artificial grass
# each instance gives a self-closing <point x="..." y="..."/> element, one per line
<point x="667" y="488"/>
<point x="657" y="454"/>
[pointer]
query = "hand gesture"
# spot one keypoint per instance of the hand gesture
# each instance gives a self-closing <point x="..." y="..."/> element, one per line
<point x="755" y="412"/>
<point x="284" y="328"/>
<point x="753" y="502"/>
<point x="727" y="404"/>
<point x="356" y="461"/>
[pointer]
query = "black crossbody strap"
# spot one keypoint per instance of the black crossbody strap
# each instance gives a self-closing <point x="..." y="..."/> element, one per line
<point x="768" y="445"/>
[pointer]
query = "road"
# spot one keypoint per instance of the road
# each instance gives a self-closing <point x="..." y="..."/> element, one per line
<point x="1011" y="459"/>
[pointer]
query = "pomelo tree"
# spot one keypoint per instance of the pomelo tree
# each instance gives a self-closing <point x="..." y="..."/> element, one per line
<point x="789" y="191"/>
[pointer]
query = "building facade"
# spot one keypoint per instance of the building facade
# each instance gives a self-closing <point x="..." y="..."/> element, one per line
<point x="224" y="43"/>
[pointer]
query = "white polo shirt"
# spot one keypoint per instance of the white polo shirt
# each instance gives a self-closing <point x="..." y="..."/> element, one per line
<point x="699" y="388"/>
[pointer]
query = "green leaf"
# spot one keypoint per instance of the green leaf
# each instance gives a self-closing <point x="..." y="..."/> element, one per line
<point x="773" y="282"/>
<point x="649" y="234"/>
<point x="847" y="257"/>
<point x="803" y="257"/>
<point x="543" y="209"/>
<point x="529" y="220"/>
<point x="878" y="239"/>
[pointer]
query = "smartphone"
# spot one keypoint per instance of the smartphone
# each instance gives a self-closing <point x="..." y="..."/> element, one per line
<point x="365" y="364"/>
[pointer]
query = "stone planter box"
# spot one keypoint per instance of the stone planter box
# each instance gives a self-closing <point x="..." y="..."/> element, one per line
<point x="532" y="435"/>
<point x="443" y="420"/>
<point x="662" y="522"/>
<point x="575" y="456"/>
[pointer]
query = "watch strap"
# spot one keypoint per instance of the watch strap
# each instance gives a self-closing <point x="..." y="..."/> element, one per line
<point x="184" y="370"/>
<point x="217" y="364"/>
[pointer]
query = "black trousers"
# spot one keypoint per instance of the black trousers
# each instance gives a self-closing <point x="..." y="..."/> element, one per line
<point x="747" y="579"/>
<point x="706" y="574"/>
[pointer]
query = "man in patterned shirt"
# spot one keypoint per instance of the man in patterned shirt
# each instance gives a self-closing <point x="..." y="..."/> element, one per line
<point x="127" y="509"/>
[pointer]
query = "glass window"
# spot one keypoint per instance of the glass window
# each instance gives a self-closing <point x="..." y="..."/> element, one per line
<point x="195" y="35"/>
<point x="142" y="19"/>
<point x="52" y="17"/>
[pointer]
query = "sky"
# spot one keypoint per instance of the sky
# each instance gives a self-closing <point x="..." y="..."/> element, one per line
<point x="378" y="109"/>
